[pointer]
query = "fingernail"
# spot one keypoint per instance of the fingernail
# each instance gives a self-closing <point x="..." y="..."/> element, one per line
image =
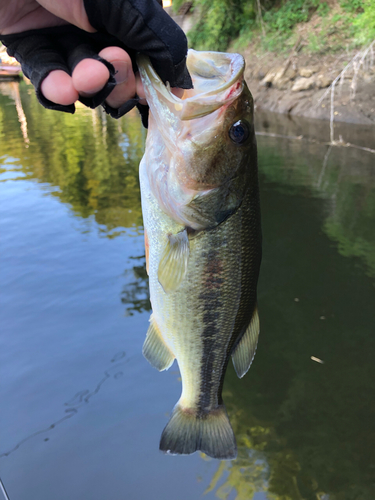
<point x="121" y="71"/>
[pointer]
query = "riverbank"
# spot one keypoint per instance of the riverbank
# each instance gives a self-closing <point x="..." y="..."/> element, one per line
<point x="301" y="84"/>
<point x="301" y="60"/>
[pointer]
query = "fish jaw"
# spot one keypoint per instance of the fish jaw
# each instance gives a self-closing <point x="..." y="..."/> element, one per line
<point x="216" y="78"/>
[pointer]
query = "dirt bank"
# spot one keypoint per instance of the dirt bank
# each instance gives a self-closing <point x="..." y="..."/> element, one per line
<point x="300" y="85"/>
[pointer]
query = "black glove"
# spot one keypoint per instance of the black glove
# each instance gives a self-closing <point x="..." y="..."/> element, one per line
<point x="135" y="25"/>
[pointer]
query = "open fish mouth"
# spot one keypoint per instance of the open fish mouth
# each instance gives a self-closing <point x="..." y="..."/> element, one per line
<point x="217" y="79"/>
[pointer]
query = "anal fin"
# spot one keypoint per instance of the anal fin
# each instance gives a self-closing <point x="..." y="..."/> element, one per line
<point x="243" y="354"/>
<point x="174" y="261"/>
<point x="155" y="350"/>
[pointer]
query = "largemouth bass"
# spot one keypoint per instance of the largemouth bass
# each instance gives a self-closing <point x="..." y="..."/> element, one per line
<point x="200" y="203"/>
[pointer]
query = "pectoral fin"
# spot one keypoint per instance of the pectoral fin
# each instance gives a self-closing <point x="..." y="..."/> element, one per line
<point x="243" y="354"/>
<point x="155" y="350"/>
<point x="174" y="261"/>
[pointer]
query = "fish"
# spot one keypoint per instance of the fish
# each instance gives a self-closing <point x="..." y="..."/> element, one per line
<point x="201" y="213"/>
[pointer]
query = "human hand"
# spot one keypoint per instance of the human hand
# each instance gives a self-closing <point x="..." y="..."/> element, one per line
<point x="66" y="60"/>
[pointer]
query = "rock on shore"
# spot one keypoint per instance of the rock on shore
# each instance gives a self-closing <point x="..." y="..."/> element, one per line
<point x="296" y="86"/>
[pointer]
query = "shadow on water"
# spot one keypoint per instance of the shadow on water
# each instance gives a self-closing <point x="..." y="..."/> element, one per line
<point x="304" y="429"/>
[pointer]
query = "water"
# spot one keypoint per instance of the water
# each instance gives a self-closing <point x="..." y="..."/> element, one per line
<point x="81" y="409"/>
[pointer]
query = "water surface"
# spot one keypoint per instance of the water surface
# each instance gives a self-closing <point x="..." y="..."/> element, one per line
<point x="82" y="411"/>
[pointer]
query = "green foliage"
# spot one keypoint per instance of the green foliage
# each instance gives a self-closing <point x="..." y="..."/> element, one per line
<point x="315" y="43"/>
<point x="220" y="22"/>
<point x="323" y="9"/>
<point x="352" y="5"/>
<point x="283" y="19"/>
<point x="275" y="42"/>
<point x="244" y="37"/>
<point x="365" y="23"/>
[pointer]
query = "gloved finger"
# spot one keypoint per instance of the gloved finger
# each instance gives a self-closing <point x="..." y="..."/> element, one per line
<point x="62" y="48"/>
<point x="38" y="56"/>
<point x="110" y="97"/>
<point x="58" y="88"/>
<point x="89" y="77"/>
<point x="78" y="47"/>
<point x="125" y="81"/>
<point x="143" y="25"/>
<point x="66" y="48"/>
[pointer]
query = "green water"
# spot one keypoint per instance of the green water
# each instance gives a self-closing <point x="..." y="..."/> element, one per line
<point x="82" y="411"/>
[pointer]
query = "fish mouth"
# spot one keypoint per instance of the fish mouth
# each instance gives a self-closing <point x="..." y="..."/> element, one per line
<point x="217" y="79"/>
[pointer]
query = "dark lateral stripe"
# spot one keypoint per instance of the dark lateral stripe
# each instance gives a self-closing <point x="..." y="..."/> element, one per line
<point x="251" y="253"/>
<point x="211" y="300"/>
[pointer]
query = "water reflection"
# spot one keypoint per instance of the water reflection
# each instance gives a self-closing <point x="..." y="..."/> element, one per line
<point x="12" y="90"/>
<point x="304" y="429"/>
<point x="135" y="295"/>
<point x="93" y="161"/>
<point x="344" y="176"/>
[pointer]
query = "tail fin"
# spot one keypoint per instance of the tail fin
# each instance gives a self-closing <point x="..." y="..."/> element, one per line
<point x="186" y="432"/>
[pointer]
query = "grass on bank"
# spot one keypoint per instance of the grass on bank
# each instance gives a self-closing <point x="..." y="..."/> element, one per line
<point x="275" y="24"/>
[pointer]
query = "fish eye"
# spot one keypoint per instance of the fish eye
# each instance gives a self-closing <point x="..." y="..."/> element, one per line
<point x="239" y="132"/>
